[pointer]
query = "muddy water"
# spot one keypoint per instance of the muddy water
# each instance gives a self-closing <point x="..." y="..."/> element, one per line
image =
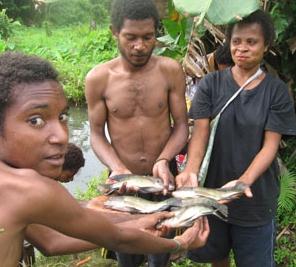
<point x="79" y="135"/>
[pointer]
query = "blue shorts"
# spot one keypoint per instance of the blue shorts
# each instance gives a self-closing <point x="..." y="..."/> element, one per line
<point x="252" y="246"/>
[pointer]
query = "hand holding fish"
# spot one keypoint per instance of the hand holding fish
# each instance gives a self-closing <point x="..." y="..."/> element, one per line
<point x="131" y="182"/>
<point x="186" y="179"/>
<point x="247" y="191"/>
<point x="195" y="236"/>
<point x="148" y="223"/>
<point x="119" y="172"/>
<point x="161" y="170"/>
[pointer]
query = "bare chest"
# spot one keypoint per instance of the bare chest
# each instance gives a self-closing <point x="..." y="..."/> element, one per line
<point x="145" y="96"/>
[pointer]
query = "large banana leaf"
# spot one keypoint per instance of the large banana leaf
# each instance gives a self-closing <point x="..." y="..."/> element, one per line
<point x="218" y="12"/>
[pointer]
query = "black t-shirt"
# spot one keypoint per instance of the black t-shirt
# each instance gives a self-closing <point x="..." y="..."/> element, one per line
<point x="240" y="135"/>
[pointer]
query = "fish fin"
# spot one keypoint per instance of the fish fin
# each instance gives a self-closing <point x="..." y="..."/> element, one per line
<point x="175" y="208"/>
<point x="223" y="209"/>
<point x="120" y="177"/>
<point x="220" y="215"/>
<point x="173" y="202"/>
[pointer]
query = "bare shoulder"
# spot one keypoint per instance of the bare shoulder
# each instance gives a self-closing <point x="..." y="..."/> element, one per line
<point x="101" y="71"/>
<point x="28" y="183"/>
<point x="24" y="189"/>
<point x="173" y="72"/>
<point x="168" y="64"/>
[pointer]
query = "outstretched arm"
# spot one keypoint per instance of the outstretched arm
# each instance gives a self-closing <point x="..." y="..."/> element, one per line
<point x="261" y="162"/>
<point x="68" y="217"/>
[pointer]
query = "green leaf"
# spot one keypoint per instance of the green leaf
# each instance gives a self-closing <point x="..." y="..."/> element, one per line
<point x="287" y="197"/>
<point x="218" y="12"/>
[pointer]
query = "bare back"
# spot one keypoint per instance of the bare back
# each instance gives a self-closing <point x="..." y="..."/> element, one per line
<point x="138" y="106"/>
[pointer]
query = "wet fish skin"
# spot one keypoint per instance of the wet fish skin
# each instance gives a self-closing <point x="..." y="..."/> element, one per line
<point x="203" y="201"/>
<point x="217" y="194"/>
<point x="185" y="217"/>
<point x="134" y="204"/>
<point x="146" y="184"/>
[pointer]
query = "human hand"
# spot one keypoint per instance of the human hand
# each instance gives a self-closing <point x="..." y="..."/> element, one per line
<point x="123" y="189"/>
<point x="196" y="236"/>
<point x="232" y="183"/>
<point x="148" y="223"/>
<point x="161" y="170"/>
<point x="186" y="179"/>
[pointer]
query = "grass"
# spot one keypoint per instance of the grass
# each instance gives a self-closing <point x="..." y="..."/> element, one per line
<point x="73" y="51"/>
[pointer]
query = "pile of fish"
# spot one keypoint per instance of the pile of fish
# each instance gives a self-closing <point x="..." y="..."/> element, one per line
<point x="187" y="204"/>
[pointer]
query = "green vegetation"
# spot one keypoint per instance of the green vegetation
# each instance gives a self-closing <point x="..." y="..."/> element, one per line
<point x="73" y="50"/>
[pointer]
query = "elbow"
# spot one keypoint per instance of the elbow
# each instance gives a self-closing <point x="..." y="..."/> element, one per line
<point x="48" y="250"/>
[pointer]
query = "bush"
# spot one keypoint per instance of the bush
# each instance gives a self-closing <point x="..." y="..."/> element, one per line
<point x="6" y="25"/>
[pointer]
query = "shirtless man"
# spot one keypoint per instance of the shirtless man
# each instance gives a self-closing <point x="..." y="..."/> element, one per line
<point x="137" y="95"/>
<point x="33" y="141"/>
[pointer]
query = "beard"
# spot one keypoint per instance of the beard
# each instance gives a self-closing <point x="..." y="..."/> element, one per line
<point x="129" y="58"/>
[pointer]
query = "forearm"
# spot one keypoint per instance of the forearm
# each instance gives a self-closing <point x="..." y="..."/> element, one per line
<point x="138" y="242"/>
<point x="52" y="243"/>
<point x="105" y="152"/>
<point x="263" y="159"/>
<point x="176" y="142"/>
<point x="197" y="146"/>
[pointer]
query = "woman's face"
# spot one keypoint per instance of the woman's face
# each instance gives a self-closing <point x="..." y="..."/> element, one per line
<point x="247" y="45"/>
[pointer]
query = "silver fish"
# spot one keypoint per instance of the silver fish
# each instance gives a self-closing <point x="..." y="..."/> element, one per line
<point x="185" y="217"/>
<point x="145" y="184"/>
<point x="138" y="205"/>
<point x="216" y="194"/>
<point x="199" y="201"/>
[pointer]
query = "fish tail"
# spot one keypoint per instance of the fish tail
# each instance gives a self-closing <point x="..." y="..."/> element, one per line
<point x="220" y="215"/>
<point x="223" y="209"/>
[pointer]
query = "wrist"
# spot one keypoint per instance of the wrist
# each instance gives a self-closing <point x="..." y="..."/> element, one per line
<point x="179" y="247"/>
<point x="245" y="179"/>
<point x="161" y="159"/>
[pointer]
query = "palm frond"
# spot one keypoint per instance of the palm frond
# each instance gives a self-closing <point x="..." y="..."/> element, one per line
<point x="287" y="197"/>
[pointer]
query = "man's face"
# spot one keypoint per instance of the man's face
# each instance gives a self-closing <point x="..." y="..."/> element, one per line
<point x="136" y="41"/>
<point x="35" y="132"/>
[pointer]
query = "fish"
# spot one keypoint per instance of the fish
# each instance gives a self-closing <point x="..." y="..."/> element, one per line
<point x="144" y="184"/>
<point x="135" y="204"/>
<point x="227" y="193"/>
<point x="185" y="217"/>
<point x="201" y="201"/>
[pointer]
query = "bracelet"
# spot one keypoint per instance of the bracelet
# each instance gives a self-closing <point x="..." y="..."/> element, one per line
<point x="177" y="248"/>
<point x="160" y="159"/>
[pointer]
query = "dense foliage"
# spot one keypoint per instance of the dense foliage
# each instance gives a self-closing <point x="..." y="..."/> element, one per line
<point x="74" y="51"/>
<point x="57" y="12"/>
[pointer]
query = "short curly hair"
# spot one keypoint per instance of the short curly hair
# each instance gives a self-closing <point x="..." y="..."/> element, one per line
<point x="74" y="159"/>
<point x="133" y="10"/>
<point x="260" y="17"/>
<point x="18" y="68"/>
